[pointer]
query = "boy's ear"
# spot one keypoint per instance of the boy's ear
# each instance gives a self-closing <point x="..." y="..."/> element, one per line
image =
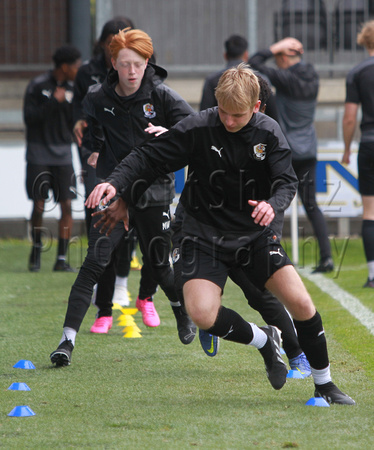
<point x="256" y="109"/>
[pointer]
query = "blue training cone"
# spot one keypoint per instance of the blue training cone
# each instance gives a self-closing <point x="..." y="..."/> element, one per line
<point x="317" y="401"/>
<point x="24" y="364"/>
<point x="282" y="351"/>
<point x="294" y="374"/>
<point x="21" y="411"/>
<point x="18" y="387"/>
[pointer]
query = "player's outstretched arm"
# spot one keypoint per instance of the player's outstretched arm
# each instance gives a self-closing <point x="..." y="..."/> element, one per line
<point x="96" y="195"/>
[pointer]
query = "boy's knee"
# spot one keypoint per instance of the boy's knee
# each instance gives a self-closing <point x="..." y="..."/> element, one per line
<point x="204" y="318"/>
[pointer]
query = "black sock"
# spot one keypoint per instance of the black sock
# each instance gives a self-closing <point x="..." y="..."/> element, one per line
<point x="312" y="340"/>
<point x="368" y="239"/>
<point x="62" y="246"/>
<point x="230" y="326"/>
<point x="36" y="237"/>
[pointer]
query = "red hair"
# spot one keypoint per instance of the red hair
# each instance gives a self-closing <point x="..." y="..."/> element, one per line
<point x="136" y="40"/>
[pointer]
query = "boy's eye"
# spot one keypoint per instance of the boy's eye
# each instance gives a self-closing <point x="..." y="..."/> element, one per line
<point x="126" y="65"/>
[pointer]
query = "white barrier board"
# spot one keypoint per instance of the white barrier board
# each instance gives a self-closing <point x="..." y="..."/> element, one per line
<point x="337" y="192"/>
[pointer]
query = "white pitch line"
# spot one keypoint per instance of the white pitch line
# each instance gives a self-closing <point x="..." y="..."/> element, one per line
<point x="348" y="301"/>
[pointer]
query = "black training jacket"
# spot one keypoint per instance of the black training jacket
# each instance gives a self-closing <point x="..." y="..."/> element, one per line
<point x="48" y="123"/>
<point x="360" y="90"/>
<point x="120" y="123"/>
<point x="92" y="72"/>
<point x="225" y="170"/>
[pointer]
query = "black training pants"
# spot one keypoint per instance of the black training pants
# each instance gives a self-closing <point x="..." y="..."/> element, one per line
<point x="153" y="230"/>
<point x="306" y="173"/>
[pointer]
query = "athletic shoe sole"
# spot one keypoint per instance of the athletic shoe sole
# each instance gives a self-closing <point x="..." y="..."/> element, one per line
<point x="60" y="358"/>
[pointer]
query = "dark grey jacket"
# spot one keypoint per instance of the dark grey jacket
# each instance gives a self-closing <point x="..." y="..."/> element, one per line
<point x="296" y="98"/>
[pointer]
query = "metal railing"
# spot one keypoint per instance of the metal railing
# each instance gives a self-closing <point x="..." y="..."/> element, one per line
<point x="328" y="30"/>
<point x="188" y="35"/>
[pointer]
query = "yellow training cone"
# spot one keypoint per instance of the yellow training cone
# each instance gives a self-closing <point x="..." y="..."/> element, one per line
<point x="132" y="328"/>
<point x="116" y="306"/>
<point x="132" y="334"/>
<point x="129" y="311"/>
<point x="125" y="316"/>
<point x="125" y="321"/>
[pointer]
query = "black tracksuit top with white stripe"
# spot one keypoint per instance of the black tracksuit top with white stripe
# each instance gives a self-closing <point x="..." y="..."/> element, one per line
<point x="225" y="171"/>
<point x="49" y="123"/>
<point x="120" y="123"/>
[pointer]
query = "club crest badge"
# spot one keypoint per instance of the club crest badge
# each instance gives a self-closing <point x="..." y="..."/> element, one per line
<point x="175" y="255"/>
<point x="149" y="111"/>
<point x="259" y="151"/>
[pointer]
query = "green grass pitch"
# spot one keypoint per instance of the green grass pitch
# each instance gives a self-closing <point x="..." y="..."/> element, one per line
<point x="155" y="393"/>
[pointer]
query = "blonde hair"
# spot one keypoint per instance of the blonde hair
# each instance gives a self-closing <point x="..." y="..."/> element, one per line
<point x="238" y="88"/>
<point x="136" y="40"/>
<point x="365" y="37"/>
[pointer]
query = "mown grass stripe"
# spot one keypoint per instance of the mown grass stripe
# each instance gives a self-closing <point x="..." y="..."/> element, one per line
<point x="348" y="301"/>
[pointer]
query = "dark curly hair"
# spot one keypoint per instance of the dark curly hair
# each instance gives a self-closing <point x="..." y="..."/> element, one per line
<point x="265" y="91"/>
<point x="67" y="54"/>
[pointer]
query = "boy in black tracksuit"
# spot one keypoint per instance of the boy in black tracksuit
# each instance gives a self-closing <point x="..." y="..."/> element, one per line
<point x="118" y="112"/>
<point x="240" y="183"/>
<point x="112" y="288"/>
<point x="48" y="115"/>
<point x="92" y="72"/>
<point x="262" y="301"/>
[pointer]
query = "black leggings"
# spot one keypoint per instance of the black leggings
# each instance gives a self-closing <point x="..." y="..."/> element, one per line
<point x="154" y="240"/>
<point x="306" y="173"/>
<point x="120" y="265"/>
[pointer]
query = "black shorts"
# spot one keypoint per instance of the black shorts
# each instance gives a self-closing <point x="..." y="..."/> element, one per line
<point x="40" y="179"/>
<point x="258" y="260"/>
<point x="365" y="162"/>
